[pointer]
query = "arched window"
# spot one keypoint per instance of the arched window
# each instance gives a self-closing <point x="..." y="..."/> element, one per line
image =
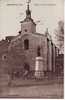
<point x="4" y="57"/>
<point x="25" y="30"/>
<point x="26" y="44"/>
<point x="38" y="51"/>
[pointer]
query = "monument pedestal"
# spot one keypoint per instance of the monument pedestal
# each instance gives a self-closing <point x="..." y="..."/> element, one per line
<point x="39" y="70"/>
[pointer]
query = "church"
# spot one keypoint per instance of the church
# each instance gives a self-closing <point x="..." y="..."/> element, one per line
<point x="28" y="46"/>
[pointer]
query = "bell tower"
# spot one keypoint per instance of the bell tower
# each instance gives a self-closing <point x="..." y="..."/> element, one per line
<point x="28" y="25"/>
<point x="28" y="12"/>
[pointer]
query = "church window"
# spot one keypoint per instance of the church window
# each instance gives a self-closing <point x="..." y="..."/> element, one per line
<point x="26" y="44"/>
<point x="38" y="51"/>
<point x="25" y="30"/>
<point x="4" y="57"/>
<point x="52" y="56"/>
<point x="47" y="54"/>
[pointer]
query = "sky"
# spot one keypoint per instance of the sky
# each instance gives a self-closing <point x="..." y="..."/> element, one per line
<point x="46" y="14"/>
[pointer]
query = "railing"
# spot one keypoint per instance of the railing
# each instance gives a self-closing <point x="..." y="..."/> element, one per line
<point x="30" y="79"/>
<point x="31" y="75"/>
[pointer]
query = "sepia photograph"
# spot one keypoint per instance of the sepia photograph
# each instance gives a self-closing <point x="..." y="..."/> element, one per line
<point x="32" y="49"/>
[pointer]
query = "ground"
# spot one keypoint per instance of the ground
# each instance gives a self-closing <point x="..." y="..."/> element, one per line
<point x="33" y="89"/>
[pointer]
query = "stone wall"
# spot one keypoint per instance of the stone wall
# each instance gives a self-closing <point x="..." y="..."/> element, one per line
<point x="28" y="56"/>
<point x="28" y="27"/>
<point x="49" y="56"/>
<point x="17" y="56"/>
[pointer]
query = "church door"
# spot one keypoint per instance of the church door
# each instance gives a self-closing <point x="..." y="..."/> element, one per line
<point x="27" y="67"/>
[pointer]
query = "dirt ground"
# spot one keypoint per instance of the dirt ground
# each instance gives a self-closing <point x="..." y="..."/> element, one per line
<point x="54" y="91"/>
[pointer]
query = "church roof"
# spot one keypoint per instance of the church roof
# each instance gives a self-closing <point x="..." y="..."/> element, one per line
<point x="39" y="34"/>
<point x="28" y="16"/>
<point x="28" y="19"/>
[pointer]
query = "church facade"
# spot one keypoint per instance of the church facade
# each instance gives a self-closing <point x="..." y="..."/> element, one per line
<point x="27" y="45"/>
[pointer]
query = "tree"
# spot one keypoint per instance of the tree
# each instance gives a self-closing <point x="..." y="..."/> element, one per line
<point x="59" y="36"/>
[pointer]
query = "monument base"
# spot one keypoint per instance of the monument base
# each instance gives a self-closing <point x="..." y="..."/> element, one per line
<point x="39" y="75"/>
<point x="39" y="70"/>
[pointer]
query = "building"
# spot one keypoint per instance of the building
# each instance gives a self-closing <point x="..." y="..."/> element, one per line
<point x="23" y="49"/>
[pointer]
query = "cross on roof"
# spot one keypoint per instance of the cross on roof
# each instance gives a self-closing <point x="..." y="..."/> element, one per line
<point x="28" y="1"/>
